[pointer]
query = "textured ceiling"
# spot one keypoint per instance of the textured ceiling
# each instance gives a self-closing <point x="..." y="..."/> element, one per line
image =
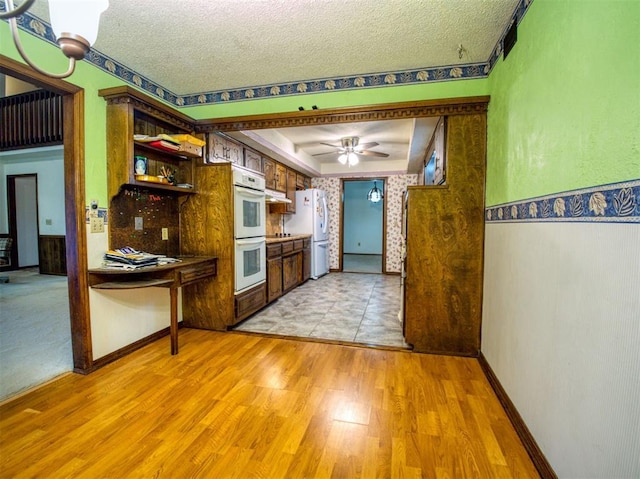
<point x="227" y="46"/>
<point x="202" y="45"/>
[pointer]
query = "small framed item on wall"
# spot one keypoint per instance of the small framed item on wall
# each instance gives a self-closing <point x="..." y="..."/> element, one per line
<point x="140" y="165"/>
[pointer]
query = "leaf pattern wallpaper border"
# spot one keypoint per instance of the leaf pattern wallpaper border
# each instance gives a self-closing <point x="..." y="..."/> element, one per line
<point x="611" y="203"/>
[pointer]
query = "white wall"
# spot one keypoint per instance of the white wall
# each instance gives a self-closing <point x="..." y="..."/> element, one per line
<point x="48" y="164"/>
<point x="561" y="330"/>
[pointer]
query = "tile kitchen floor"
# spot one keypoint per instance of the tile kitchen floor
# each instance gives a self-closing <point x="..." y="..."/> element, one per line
<point x="350" y="307"/>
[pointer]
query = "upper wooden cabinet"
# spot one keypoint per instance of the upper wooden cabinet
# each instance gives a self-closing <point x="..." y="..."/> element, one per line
<point x="281" y="178"/>
<point x="300" y="182"/>
<point x="130" y="113"/>
<point x="253" y="160"/>
<point x="269" y="166"/>
<point x="224" y="150"/>
<point x="292" y="180"/>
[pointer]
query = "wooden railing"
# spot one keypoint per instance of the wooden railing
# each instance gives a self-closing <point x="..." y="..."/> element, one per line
<point x="30" y="119"/>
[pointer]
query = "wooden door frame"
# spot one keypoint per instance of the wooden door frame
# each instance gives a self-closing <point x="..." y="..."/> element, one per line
<point x="76" y="232"/>
<point x="12" y="215"/>
<point x="385" y="179"/>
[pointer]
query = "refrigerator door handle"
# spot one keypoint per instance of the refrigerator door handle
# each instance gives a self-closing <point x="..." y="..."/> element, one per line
<point x="325" y="225"/>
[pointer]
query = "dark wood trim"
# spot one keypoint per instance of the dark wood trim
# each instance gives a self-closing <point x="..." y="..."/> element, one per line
<point x="535" y="453"/>
<point x="129" y="348"/>
<point x="128" y="95"/>
<point x="389" y="111"/>
<point x="73" y="141"/>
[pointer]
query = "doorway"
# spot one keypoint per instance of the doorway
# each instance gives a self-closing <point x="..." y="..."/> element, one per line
<point x="76" y="284"/>
<point x="23" y="218"/>
<point x="363" y="226"/>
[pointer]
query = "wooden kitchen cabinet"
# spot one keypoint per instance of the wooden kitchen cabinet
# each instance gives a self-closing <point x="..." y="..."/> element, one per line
<point x="274" y="272"/>
<point x="281" y="178"/>
<point x="269" y="166"/>
<point x="290" y="272"/>
<point x="253" y="161"/>
<point x="130" y="113"/>
<point x="224" y="150"/>
<point x="292" y="181"/>
<point x="444" y="262"/>
<point x="300" y="182"/>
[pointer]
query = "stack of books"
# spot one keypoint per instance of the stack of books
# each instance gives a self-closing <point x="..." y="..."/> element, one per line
<point x="162" y="141"/>
<point x="129" y="258"/>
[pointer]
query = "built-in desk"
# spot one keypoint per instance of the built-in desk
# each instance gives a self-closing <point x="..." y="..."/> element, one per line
<point x="173" y="276"/>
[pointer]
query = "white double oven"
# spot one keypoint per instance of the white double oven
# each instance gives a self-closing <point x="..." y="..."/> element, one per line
<point x="249" y="230"/>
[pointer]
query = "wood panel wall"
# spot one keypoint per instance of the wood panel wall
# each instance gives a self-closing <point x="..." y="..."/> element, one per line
<point x="52" y="250"/>
<point x="443" y="288"/>
<point x="207" y="230"/>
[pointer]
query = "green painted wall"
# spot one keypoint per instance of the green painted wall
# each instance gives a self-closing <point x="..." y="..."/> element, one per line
<point x="565" y="104"/>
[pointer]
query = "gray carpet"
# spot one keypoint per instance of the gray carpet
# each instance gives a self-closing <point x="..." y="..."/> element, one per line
<point x="35" y="332"/>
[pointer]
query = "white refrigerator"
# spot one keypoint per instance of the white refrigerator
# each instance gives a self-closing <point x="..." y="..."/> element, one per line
<point x="312" y="217"/>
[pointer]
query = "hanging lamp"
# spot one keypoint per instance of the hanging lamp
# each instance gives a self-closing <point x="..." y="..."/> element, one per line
<point x="74" y="23"/>
<point x="375" y="194"/>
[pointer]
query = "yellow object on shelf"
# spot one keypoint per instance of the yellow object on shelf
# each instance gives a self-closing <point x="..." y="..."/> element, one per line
<point x="189" y="139"/>
<point x="152" y="179"/>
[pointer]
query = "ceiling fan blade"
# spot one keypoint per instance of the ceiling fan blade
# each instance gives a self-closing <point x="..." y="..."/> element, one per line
<point x="326" y="153"/>
<point x="372" y="153"/>
<point x="332" y="146"/>
<point x="366" y="146"/>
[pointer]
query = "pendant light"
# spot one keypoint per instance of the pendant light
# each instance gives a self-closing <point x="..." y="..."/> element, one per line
<point x="375" y="194"/>
<point x="74" y="23"/>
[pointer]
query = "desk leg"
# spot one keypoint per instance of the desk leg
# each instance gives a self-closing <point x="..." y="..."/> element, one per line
<point x="173" y="292"/>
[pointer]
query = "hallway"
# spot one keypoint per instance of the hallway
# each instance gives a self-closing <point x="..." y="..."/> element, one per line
<point x="349" y="307"/>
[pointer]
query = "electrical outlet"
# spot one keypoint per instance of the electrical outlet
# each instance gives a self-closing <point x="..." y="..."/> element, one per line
<point x="97" y="224"/>
<point x="165" y="233"/>
<point x="138" y="223"/>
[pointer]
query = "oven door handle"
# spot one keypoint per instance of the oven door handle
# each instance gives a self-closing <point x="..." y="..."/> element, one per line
<point x="250" y="241"/>
<point x="246" y="191"/>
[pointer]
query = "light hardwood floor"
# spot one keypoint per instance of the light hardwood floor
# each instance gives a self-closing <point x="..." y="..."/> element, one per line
<point x="236" y="405"/>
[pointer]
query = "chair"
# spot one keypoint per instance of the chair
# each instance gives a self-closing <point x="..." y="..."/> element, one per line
<point x="5" y="256"/>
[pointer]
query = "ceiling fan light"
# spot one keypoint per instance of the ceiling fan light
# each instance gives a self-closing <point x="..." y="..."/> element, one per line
<point x="343" y="159"/>
<point x="76" y="22"/>
<point x="352" y="158"/>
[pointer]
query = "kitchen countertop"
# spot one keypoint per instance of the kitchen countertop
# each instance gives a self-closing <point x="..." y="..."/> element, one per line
<point x="282" y="239"/>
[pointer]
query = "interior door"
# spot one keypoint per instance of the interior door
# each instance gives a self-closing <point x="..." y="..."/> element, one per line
<point x="23" y="210"/>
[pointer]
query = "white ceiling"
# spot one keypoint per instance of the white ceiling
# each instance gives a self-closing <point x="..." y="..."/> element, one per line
<point x="197" y="46"/>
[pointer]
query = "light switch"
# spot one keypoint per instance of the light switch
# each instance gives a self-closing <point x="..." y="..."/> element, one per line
<point x="138" y="223"/>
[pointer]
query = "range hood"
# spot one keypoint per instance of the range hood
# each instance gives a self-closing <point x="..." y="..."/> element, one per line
<point x="275" y="197"/>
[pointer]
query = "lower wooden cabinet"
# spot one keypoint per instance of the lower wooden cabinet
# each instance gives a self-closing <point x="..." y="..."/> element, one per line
<point x="290" y="276"/>
<point x="274" y="279"/>
<point x="250" y="301"/>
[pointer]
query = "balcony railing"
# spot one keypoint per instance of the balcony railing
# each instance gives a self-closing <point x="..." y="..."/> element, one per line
<point x="30" y="119"/>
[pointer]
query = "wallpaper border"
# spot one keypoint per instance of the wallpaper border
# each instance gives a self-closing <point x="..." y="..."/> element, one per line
<point x="39" y="28"/>
<point x="609" y="203"/>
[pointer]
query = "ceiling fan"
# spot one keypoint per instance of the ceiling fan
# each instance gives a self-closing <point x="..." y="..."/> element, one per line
<point x="349" y="149"/>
